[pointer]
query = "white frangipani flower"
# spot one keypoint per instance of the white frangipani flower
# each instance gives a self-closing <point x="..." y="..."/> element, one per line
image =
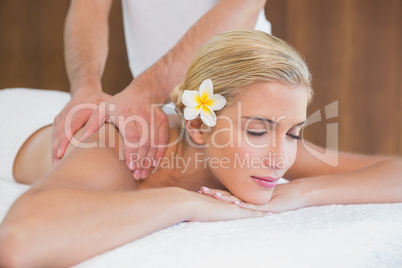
<point x="203" y="102"/>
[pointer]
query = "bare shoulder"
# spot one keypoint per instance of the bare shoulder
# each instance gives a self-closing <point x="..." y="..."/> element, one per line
<point x="97" y="163"/>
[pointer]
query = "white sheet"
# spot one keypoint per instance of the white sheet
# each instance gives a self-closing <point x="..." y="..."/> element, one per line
<point x="327" y="236"/>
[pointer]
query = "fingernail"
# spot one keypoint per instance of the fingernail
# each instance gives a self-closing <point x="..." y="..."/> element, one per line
<point x="218" y="194"/>
<point x="157" y="162"/>
<point x="144" y="174"/>
<point x="59" y="153"/>
<point x="154" y="163"/>
<point x="132" y="163"/>
<point x="83" y="136"/>
<point x="268" y="213"/>
<point x="236" y="202"/>
<point x="206" y="189"/>
<point x="137" y="175"/>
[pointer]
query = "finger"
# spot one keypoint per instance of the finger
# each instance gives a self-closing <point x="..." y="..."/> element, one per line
<point x="97" y="119"/>
<point x="143" y="164"/>
<point x="253" y="207"/>
<point x="211" y="192"/>
<point x="143" y="149"/>
<point x="59" y="138"/>
<point x="153" y="138"/>
<point x="243" y="213"/>
<point x="251" y="213"/>
<point x="206" y="191"/>
<point x="162" y="140"/>
<point x="227" y="198"/>
<point x="71" y="127"/>
<point x="219" y="195"/>
<point x="61" y="147"/>
<point x="56" y="137"/>
<point x="153" y="148"/>
<point x="131" y="138"/>
<point x="149" y="161"/>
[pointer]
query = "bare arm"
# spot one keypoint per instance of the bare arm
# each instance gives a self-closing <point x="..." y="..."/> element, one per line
<point x="155" y="84"/>
<point x="85" y="48"/>
<point x="86" y="43"/>
<point x="64" y="226"/>
<point x="87" y="205"/>
<point x="170" y="70"/>
<point x="355" y="179"/>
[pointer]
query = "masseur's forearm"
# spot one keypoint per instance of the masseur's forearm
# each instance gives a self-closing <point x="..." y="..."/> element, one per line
<point x="86" y="43"/>
<point x="171" y="68"/>
<point x="378" y="183"/>
<point x="62" y="227"/>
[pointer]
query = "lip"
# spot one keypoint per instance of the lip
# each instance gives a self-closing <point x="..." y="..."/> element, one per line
<point x="266" y="182"/>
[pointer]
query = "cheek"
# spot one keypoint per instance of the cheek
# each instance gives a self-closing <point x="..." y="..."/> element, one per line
<point x="229" y="142"/>
<point x="291" y="152"/>
<point x="225" y="156"/>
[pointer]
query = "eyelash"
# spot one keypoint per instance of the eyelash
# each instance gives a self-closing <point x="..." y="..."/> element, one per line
<point x="294" y="136"/>
<point x="259" y="134"/>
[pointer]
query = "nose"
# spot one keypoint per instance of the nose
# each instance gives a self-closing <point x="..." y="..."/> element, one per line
<point x="276" y="155"/>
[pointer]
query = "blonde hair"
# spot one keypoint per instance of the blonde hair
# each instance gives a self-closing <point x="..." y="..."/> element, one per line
<point x="239" y="58"/>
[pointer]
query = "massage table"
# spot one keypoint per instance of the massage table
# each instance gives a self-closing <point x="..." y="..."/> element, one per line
<point x="367" y="235"/>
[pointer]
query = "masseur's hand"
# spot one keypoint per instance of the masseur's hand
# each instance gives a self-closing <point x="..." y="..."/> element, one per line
<point x="142" y="124"/>
<point x="285" y="197"/>
<point x="73" y="117"/>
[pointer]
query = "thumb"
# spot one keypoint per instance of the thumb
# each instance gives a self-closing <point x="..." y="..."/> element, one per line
<point x="96" y="120"/>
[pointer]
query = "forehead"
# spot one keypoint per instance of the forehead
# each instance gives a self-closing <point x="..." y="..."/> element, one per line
<point x="272" y="99"/>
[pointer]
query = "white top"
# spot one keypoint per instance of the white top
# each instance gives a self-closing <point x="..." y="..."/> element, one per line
<point x="152" y="27"/>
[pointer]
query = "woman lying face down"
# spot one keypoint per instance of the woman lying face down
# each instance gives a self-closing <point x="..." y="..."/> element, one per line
<point x="260" y="88"/>
<point x="244" y="101"/>
<point x="263" y="87"/>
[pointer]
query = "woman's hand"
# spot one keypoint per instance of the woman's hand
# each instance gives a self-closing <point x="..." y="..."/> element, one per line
<point x="208" y="208"/>
<point x="286" y="197"/>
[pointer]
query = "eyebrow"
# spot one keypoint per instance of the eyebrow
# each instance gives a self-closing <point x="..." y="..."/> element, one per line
<point x="272" y="121"/>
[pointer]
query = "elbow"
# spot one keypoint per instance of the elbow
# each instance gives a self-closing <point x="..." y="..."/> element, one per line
<point x="14" y="249"/>
<point x="8" y="249"/>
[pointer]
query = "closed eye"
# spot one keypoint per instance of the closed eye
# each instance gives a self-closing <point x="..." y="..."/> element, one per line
<point x="296" y="137"/>
<point x="253" y="133"/>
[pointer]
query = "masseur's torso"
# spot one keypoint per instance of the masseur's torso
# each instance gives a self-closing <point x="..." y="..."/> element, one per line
<point x="153" y="27"/>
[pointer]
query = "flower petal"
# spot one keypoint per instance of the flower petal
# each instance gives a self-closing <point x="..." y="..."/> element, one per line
<point x="191" y="112"/>
<point x="206" y="89"/>
<point x="191" y="98"/>
<point x="208" y="116"/>
<point x="216" y="102"/>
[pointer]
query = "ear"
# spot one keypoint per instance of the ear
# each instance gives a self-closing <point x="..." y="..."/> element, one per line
<point x="195" y="130"/>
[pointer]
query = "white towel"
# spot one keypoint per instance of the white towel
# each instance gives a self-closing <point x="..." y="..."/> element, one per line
<point x="327" y="236"/>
